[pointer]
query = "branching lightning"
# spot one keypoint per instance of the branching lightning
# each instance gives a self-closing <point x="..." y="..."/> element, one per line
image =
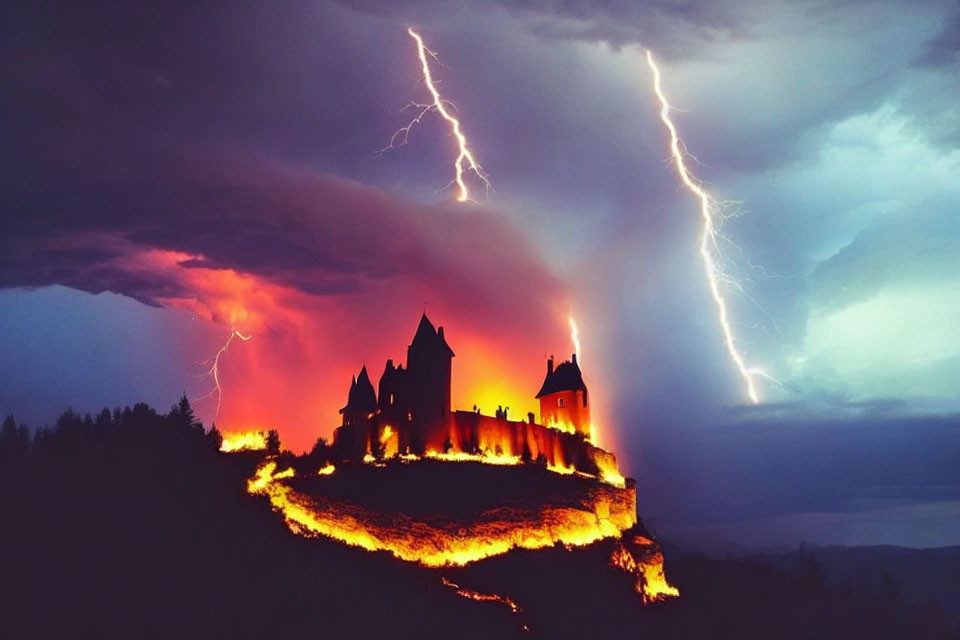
<point x="465" y="160"/>
<point x="214" y="370"/>
<point x="708" y="210"/>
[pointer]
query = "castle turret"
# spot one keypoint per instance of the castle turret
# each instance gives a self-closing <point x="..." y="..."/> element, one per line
<point x="361" y="400"/>
<point x="563" y="398"/>
<point x="353" y="437"/>
<point x="392" y="395"/>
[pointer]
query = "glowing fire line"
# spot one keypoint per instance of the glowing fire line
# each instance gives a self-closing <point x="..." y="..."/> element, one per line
<point x="440" y="105"/>
<point x="479" y="596"/>
<point x="707" y="206"/>
<point x="610" y="475"/>
<point x="427" y="545"/>
<point x="431" y="543"/>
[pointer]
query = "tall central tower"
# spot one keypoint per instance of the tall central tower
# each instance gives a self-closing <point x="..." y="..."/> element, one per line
<point x="429" y="360"/>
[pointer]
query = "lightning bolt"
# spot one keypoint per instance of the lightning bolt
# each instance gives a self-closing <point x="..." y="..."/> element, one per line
<point x="574" y="336"/>
<point x="214" y="370"/>
<point x="708" y="209"/>
<point x="465" y="160"/>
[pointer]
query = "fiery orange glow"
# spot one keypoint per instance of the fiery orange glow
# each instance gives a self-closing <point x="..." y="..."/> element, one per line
<point x="488" y="376"/>
<point x="490" y="458"/>
<point x="607" y="464"/>
<point x="435" y="544"/>
<point x="266" y="475"/>
<point x="655" y="585"/>
<point x="244" y="441"/>
<point x="609" y="472"/>
<point x="645" y="561"/>
<point x="708" y="241"/>
<point x="568" y="427"/>
<point x="389" y="442"/>
<point x="277" y="378"/>
<point x="326" y="470"/>
<point x="473" y="437"/>
<point x="459" y="456"/>
<point x="465" y="160"/>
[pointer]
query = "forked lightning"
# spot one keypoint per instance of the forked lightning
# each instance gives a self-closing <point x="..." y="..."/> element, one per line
<point x="708" y="210"/>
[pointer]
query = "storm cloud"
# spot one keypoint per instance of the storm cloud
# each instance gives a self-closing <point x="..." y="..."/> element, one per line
<point x="219" y="165"/>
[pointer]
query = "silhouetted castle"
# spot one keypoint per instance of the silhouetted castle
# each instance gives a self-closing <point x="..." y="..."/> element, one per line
<point x="411" y="414"/>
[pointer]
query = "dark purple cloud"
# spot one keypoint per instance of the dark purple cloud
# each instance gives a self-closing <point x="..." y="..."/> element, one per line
<point x="676" y="28"/>
<point x="309" y="231"/>
<point x="141" y="127"/>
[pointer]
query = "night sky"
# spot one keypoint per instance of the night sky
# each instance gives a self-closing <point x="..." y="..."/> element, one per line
<point x="171" y="171"/>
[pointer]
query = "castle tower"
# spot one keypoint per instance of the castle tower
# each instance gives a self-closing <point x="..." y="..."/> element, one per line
<point x="392" y="395"/>
<point x="395" y="411"/>
<point x="429" y="360"/>
<point x="361" y="400"/>
<point x="563" y="398"/>
<point x="353" y="436"/>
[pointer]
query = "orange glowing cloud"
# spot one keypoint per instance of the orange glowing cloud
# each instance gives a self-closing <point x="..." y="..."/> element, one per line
<point x="328" y="275"/>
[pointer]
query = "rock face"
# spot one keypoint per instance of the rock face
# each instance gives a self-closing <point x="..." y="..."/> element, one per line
<point x="444" y="514"/>
<point x="640" y="555"/>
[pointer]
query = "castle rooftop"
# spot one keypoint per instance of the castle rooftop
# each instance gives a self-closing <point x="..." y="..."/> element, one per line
<point x="566" y="377"/>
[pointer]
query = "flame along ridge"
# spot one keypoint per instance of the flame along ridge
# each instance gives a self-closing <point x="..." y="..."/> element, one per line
<point x="611" y="514"/>
<point x="452" y="543"/>
<point x="243" y="441"/>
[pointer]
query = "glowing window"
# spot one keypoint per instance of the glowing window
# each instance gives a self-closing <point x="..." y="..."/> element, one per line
<point x="559" y="402"/>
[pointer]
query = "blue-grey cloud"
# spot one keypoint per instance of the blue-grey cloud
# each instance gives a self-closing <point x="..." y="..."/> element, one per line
<point x="791" y="460"/>
<point x="944" y="50"/>
<point x="912" y="247"/>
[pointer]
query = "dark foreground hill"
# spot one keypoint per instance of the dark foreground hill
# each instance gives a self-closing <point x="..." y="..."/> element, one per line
<point x="132" y="525"/>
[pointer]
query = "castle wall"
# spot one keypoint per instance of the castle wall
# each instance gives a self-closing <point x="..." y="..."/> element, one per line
<point x="471" y="432"/>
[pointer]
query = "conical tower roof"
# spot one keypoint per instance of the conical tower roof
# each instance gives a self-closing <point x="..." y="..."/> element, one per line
<point x="427" y="338"/>
<point x="361" y="397"/>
